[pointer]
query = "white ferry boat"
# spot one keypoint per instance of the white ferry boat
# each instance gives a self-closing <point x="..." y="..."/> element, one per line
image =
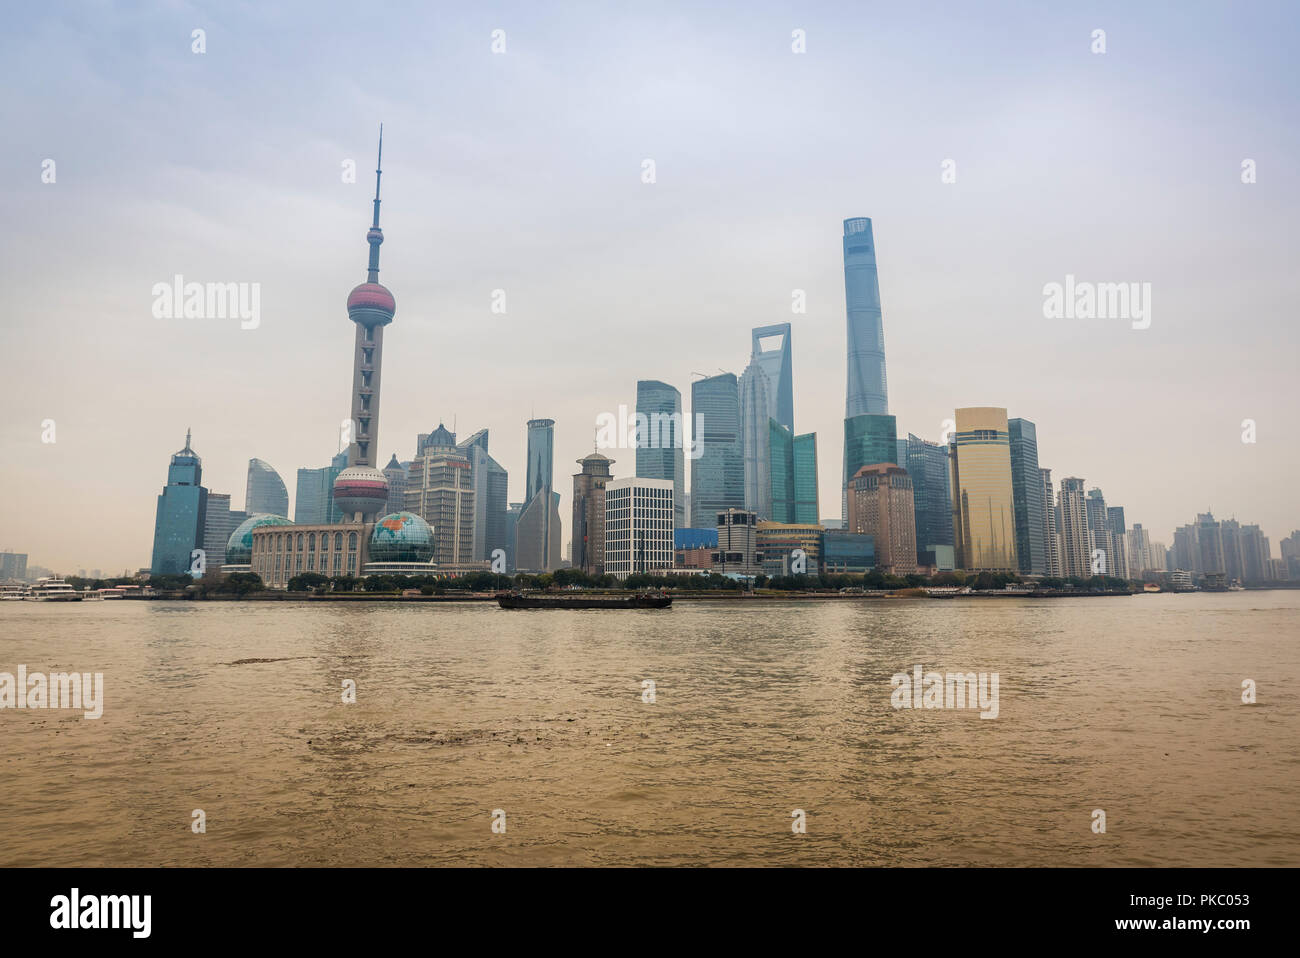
<point x="13" y="593"/>
<point x="53" y="589"/>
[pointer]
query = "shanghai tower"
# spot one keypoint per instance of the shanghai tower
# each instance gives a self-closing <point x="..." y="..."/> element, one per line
<point x="867" y="392"/>
<point x="869" y="431"/>
<point x="361" y="490"/>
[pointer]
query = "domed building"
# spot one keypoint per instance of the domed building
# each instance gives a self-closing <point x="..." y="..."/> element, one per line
<point x="361" y="489"/>
<point x="401" y="544"/>
<point x="239" y="547"/>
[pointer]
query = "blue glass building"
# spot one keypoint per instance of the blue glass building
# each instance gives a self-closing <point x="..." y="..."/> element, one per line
<point x="793" y="475"/>
<point x="265" y="493"/>
<point x="847" y="552"/>
<point x="770" y="350"/>
<point x="927" y="464"/>
<point x="182" y="511"/>
<point x="1027" y="498"/>
<point x="695" y="538"/>
<point x="661" y="448"/>
<point x="867" y="391"/>
<point x="869" y="439"/>
<point x="718" y="475"/>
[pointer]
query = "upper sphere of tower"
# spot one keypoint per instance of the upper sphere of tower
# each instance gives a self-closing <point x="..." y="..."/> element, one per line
<point x="372" y="304"/>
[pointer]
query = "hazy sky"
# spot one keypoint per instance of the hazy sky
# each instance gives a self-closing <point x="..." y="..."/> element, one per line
<point x="522" y="171"/>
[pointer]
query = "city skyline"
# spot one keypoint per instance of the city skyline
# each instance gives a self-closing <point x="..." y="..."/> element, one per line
<point x="1152" y="416"/>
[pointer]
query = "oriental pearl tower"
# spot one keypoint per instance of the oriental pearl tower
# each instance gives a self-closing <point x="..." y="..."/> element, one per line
<point x="361" y="490"/>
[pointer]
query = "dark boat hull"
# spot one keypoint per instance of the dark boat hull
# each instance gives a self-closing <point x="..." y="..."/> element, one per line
<point x="575" y="602"/>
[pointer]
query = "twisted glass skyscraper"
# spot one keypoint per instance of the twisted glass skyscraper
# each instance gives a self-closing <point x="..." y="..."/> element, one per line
<point x="866" y="395"/>
<point x="867" y="391"/>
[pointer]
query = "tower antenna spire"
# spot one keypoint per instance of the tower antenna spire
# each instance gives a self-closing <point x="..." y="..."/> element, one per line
<point x="376" y="236"/>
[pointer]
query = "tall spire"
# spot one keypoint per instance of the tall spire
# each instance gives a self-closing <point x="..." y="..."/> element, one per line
<point x="187" y="437"/>
<point x="376" y="236"/>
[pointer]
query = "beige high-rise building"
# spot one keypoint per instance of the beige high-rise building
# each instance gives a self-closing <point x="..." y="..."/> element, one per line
<point x="588" y="550"/>
<point x="440" y="490"/>
<point x="881" y="504"/>
<point x="983" y="510"/>
<point x="1076" y="543"/>
<point x="1050" y="533"/>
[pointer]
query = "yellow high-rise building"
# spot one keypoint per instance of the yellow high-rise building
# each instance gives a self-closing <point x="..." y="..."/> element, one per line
<point x="983" y="513"/>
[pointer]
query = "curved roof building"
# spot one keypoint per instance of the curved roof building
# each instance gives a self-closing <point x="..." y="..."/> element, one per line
<point x="239" y="548"/>
<point x="401" y="537"/>
<point x="265" y="493"/>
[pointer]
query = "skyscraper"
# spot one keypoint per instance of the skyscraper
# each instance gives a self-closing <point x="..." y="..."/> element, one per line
<point x="1118" y="540"/>
<point x="1187" y="549"/>
<point x="793" y="473"/>
<point x="770" y="350"/>
<point x="13" y="566"/>
<point x="1255" y="554"/>
<point x="490" y="489"/>
<point x="265" y="493"/>
<point x="1230" y="531"/>
<point x="440" y="490"/>
<point x="755" y="439"/>
<point x="984" y="521"/>
<point x="927" y="463"/>
<point x="638" y="526"/>
<point x="395" y="474"/>
<point x="1027" y="494"/>
<point x="361" y="490"/>
<point x="1076" y="544"/>
<point x="1050" y="533"/>
<point x="869" y="439"/>
<point x="881" y="505"/>
<point x="313" y="501"/>
<point x="219" y="521"/>
<point x="718" y="475"/>
<point x="1210" y="538"/>
<point x="588" y="552"/>
<point x="1107" y="548"/>
<point x="182" y="510"/>
<point x="660" y="449"/>
<point x="541" y="456"/>
<point x="867" y="390"/>
<point x="538" y="530"/>
<point x="496" y="536"/>
<point x="511" y="526"/>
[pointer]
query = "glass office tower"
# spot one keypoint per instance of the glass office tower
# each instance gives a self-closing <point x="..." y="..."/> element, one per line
<point x="265" y="493"/>
<point x="867" y="391"/>
<point x="770" y="349"/>
<point x="984" y="522"/>
<point x="927" y="463"/>
<point x="793" y="475"/>
<point x="182" y="511"/>
<point x="661" y="450"/>
<point x="868" y="439"/>
<point x="1032" y="551"/>
<point x="805" y="478"/>
<point x="754" y="439"/>
<point x="541" y="457"/>
<point x="718" y="475"/>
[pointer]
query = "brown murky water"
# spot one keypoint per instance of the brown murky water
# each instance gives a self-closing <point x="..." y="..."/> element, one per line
<point x="1128" y="705"/>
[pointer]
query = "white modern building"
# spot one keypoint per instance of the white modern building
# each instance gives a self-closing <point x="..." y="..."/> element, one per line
<point x="638" y="526"/>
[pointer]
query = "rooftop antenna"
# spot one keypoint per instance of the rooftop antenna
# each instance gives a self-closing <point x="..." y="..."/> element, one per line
<point x="376" y="235"/>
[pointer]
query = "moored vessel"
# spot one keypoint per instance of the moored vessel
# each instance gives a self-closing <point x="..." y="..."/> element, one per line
<point x="53" y="589"/>
<point x="551" y="600"/>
